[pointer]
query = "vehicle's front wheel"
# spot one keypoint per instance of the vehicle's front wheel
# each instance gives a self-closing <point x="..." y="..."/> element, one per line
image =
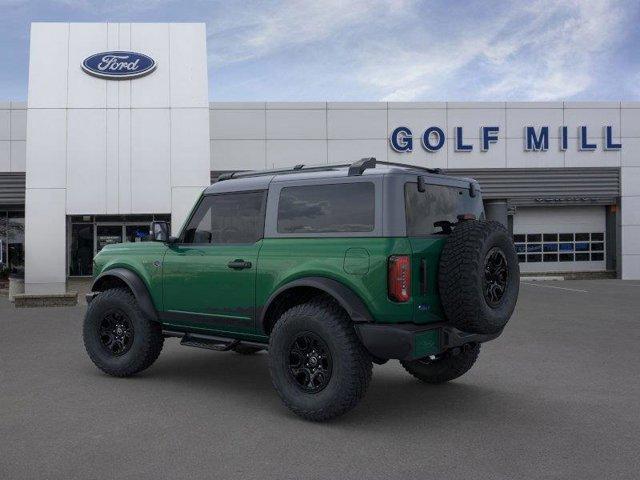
<point x="448" y="366"/>
<point x="118" y="337"/>
<point x="318" y="366"/>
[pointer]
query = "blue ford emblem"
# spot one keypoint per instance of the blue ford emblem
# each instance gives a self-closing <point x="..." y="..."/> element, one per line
<point x="118" y="65"/>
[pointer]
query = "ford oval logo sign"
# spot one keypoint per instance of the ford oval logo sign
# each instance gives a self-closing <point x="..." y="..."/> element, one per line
<point x="118" y="65"/>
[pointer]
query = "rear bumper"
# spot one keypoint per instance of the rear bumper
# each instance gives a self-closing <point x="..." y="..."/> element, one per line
<point x="410" y="341"/>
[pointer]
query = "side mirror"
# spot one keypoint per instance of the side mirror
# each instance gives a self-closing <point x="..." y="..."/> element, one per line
<point x="159" y="231"/>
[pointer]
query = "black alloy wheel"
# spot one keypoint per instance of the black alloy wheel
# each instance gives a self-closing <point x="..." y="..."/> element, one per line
<point x="496" y="276"/>
<point x="116" y="333"/>
<point x="309" y="362"/>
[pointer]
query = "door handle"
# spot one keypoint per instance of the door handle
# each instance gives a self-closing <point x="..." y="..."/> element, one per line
<point x="239" y="264"/>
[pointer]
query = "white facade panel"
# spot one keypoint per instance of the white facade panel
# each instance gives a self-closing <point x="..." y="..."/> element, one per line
<point x="631" y="239"/>
<point x="418" y="120"/>
<point x="238" y="124"/>
<point x="45" y="240"/>
<point x="592" y="118"/>
<point x="47" y="148"/>
<point x="417" y="156"/>
<point x="597" y="158"/>
<point x="345" y="151"/>
<point x="124" y="161"/>
<point x="124" y="86"/>
<point x="5" y="156"/>
<point x="630" y="121"/>
<point x="182" y="201"/>
<point x="494" y="157"/>
<point x="630" y="153"/>
<point x="188" y="56"/>
<point x="190" y="166"/>
<point x="48" y="62"/>
<point x="517" y="157"/>
<point x="519" y="118"/>
<point x="5" y="124"/>
<point x="630" y="181"/>
<point x="113" y="43"/>
<point x="85" y="91"/>
<point x="18" y="156"/>
<point x="238" y="155"/>
<point x="86" y="161"/>
<point x="472" y="119"/>
<point x="152" y="91"/>
<point x="18" y="124"/>
<point x="356" y="124"/>
<point x="287" y="153"/>
<point x="630" y="268"/>
<point x="111" y="161"/>
<point x="150" y="160"/>
<point x="296" y="124"/>
<point x="630" y="211"/>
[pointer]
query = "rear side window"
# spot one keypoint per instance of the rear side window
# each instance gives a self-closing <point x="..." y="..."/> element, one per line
<point x="227" y="219"/>
<point x="338" y="208"/>
<point x="437" y="203"/>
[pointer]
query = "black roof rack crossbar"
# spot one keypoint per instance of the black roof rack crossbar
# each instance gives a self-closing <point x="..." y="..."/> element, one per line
<point x="357" y="168"/>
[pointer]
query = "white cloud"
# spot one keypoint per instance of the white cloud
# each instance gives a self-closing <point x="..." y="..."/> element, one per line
<point x="259" y="29"/>
<point x="548" y="50"/>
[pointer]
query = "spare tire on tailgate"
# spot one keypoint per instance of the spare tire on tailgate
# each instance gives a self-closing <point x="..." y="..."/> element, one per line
<point x="479" y="276"/>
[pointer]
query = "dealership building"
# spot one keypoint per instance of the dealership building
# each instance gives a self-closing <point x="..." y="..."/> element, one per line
<point x="118" y="130"/>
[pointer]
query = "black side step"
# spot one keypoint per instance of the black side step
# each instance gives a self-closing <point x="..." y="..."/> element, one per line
<point x="209" y="342"/>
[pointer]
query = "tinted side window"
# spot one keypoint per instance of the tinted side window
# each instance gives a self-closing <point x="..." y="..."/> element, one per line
<point x="345" y="207"/>
<point x="437" y="203"/>
<point x="228" y="218"/>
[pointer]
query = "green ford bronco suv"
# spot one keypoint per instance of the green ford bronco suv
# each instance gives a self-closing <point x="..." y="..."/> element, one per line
<point x="328" y="268"/>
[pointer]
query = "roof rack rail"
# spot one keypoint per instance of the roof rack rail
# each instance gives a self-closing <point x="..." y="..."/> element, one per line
<point x="278" y="171"/>
<point x="416" y="167"/>
<point x="357" y="168"/>
<point x="226" y="176"/>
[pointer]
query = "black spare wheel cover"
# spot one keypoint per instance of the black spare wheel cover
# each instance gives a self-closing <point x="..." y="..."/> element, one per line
<point x="479" y="277"/>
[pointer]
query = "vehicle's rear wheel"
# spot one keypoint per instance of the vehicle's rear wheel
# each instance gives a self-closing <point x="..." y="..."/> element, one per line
<point x="246" y="349"/>
<point x="445" y="367"/>
<point x="118" y="337"/>
<point x="318" y="366"/>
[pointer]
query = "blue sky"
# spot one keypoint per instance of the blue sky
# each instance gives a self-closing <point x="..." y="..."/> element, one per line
<point x="363" y="50"/>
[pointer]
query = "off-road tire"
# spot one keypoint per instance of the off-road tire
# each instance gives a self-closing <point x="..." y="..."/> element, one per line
<point x="461" y="276"/>
<point x="351" y="363"/>
<point x="446" y="368"/>
<point x="246" y="349"/>
<point x="147" y="335"/>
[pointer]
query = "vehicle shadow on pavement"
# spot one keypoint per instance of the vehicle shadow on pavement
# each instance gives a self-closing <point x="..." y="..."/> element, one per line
<point x="246" y="379"/>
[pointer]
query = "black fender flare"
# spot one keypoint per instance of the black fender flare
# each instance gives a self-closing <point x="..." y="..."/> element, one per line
<point x="346" y="297"/>
<point x="135" y="284"/>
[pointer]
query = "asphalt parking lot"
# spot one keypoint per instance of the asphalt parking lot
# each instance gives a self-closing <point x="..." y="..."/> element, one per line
<point x="557" y="396"/>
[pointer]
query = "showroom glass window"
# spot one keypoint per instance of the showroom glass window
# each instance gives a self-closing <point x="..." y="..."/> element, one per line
<point x="12" y="242"/>
<point x="231" y="218"/>
<point x="337" y="208"/>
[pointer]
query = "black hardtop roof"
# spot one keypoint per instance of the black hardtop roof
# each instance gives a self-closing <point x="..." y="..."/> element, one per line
<point x="260" y="179"/>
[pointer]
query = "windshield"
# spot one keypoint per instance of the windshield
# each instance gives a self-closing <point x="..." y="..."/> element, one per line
<point x="436" y="204"/>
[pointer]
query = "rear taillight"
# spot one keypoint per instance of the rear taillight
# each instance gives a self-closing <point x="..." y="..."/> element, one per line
<point x="399" y="283"/>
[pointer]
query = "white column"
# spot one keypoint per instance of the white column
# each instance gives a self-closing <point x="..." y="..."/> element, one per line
<point x="630" y="199"/>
